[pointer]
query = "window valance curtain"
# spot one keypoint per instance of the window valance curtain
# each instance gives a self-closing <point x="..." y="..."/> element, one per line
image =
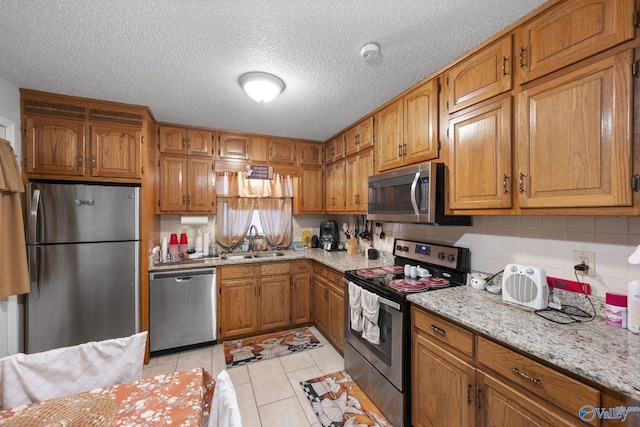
<point x="238" y="196"/>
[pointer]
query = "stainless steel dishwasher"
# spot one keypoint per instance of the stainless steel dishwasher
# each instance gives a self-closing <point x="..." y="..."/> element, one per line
<point x="182" y="308"/>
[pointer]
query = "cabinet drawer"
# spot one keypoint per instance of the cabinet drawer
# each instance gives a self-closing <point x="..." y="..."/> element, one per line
<point x="300" y="267"/>
<point x="334" y="277"/>
<point x="269" y="268"/>
<point x="563" y="391"/>
<point x="319" y="270"/>
<point x="239" y="272"/>
<point x="442" y="330"/>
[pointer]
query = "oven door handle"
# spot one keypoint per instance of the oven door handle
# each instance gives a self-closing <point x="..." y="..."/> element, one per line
<point x="381" y="300"/>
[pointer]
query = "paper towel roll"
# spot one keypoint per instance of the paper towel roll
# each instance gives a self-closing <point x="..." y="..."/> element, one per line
<point x="194" y="220"/>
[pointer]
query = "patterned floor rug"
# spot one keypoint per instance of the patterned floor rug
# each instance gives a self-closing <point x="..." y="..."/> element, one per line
<point x="339" y="402"/>
<point x="248" y="350"/>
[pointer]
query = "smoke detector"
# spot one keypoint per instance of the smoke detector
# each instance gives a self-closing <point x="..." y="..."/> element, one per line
<point x="370" y="51"/>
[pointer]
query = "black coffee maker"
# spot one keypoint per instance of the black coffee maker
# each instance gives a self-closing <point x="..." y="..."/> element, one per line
<point x="329" y="236"/>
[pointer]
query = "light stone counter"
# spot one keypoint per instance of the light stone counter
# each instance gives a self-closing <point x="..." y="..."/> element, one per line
<point x="338" y="260"/>
<point x="593" y="350"/>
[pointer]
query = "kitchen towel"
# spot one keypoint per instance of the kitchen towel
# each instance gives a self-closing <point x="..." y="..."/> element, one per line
<point x="194" y="220"/>
<point x="370" y="310"/>
<point x="355" y="304"/>
<point x="14" y="279"/>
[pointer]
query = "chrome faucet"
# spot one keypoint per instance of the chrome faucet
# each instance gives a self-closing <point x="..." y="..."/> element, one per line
<point x="251" y="236"/>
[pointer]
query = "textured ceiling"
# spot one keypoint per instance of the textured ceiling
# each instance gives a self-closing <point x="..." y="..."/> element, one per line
<point x="183" y="58"/>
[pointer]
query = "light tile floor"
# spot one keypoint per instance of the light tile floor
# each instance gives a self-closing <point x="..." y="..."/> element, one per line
<point x="269" y="393"/>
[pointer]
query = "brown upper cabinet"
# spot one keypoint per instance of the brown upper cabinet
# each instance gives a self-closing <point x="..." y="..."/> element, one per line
<point x="234" y="146"/>
<point x="282" y="150"/>
<point x="574" y="137"/>
<point x="335" y="149"/>
<point x="359" y="137"/>
<point x="190" y="141"/>
<point x="309" y="153"/>
<point x="570" y="31"/>
<point x="483" y="75"/>
<point x="186" y="185"/>
<point x="72" y="138"/>
<point x="407" y="129"/>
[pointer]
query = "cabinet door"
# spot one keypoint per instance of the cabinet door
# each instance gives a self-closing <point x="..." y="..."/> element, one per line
<point x="200" y="194"/>
<point x="351" y="186"/>
<point x="173" y="183"/>
<point x="389" y="124"/>
<point x="481" y="76"/>
<point x="311" y="190"/>
<point x="320" y="302"/>
<point x="336" y="315"/>
<point x="259" y="149"/>
<point x="351" y="141"/>
<point x="55" y="146"/>
<point x="365" y="133"/>
<point x="335" y="196"/>
<point x="580" y="123"/>
<point x="570" y="32"/>
<point x="503" y="405"/>
<point x="301" y="299"/>
<point x="421" y="123"/>
<point x="115" y="152"/>
<point x="282" y="151"/>
<point x="442" y="386"/>
<point x="238" y="305"/>
<point x="233" y="146"/>
<point x="275" y="302"/>
<point x="365" y="170"/>
<point x="200" y="143"/>
<point x="480" y="165"/>
<point x="309" y="154"/>
<point x="173" y="140"/>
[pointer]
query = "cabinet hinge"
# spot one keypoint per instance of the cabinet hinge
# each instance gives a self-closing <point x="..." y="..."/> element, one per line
<point x="158" y="163"/>
<point x="158" y="202"/>
<point x="25" y="162"/>
<point x="447" y="132"/>
<point x="635" y="69"/>
<point x="439" y="87"/>
<point x="635" y="183"/>
<point x="158" y="146"/>
<point x="158" y="135"/>
<point x="447" y="81"/>
<point x="24" y="127"/>
<point x="220" y="291"/>
<point x="439" y="145"/>
<point x="142" y="170"/>
<point x="142" y="139"/>
<point x="447" y="105"/>
<point x="636" y="19"/>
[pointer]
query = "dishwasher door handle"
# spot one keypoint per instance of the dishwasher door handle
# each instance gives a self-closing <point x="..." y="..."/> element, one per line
<point x="184" y="279"/>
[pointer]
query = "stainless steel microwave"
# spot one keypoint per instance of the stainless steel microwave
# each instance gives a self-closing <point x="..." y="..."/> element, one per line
<point x="411" y="194"/>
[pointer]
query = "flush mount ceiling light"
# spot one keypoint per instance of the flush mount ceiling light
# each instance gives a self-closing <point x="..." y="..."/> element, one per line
<point x="262" y="87"/>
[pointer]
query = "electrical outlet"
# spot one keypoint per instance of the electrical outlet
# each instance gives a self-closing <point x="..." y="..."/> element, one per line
<point x="587" y="259"/>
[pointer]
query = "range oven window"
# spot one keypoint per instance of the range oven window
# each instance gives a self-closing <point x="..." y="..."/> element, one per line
<point x="382" y="350"/>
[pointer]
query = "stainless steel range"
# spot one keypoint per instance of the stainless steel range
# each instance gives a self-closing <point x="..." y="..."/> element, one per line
<point x="382" y="369"/>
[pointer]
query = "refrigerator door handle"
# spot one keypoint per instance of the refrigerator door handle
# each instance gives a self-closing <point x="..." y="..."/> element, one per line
<point x="35" y="261"/>
<point x="33" y="216"/>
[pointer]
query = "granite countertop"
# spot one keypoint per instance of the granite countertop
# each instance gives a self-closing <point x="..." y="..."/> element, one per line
<point x="338" y="260"/>
<point x="593" y="350"/>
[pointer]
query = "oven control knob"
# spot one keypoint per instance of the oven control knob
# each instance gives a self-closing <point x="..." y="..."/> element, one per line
<point x="440" y="255"/>
<point x="398" y="247"/>
<point x="451" y="257"/>
<point x="405" y="249"/>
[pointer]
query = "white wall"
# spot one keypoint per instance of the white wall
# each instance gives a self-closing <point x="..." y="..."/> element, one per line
<point x="10" y="312"/>
<point x="542" y="241"/>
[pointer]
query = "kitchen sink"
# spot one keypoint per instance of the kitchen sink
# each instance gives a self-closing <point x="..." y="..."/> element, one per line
<point x="267" y="254"/>
<point x="252" y="255"/>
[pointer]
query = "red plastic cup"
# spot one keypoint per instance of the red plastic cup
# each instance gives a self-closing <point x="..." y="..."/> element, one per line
<point x="174" y="239"/>
<point x="183" y="239"/>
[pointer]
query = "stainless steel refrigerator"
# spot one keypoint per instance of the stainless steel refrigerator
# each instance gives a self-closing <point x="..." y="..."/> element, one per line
<point x="83" y="243"/>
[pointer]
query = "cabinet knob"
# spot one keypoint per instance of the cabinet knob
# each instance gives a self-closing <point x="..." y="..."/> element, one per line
<point x="521" y="60"/>
<point x="504" y="66"/>
<point x="93" y="161"/>
<point x="504" y="184"/>
<point x="80" y="160"/>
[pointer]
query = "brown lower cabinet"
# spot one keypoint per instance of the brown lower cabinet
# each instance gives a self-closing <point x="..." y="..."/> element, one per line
<point x="460" y="378"/>
<point x="263" y="297"/>
<point x="328" y="304"/>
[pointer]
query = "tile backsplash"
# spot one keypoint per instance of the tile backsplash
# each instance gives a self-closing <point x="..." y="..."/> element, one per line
<point x="543" y="241"/>
<point x="495" y="241"/>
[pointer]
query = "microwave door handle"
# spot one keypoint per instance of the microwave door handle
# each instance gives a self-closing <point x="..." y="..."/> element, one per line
<point x="414" y="201"/>
<point x="33" y="216"/>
